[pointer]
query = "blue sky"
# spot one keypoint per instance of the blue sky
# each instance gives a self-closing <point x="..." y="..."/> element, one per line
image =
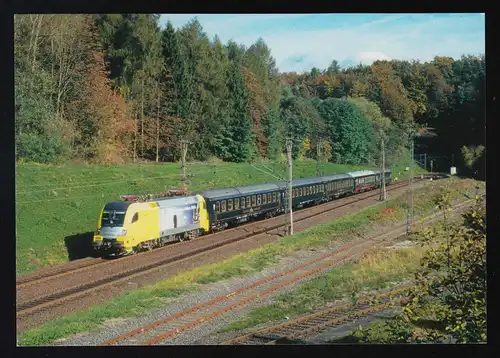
<point x="299" y="42"/>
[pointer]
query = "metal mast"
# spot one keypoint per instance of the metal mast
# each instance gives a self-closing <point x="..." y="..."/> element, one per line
<point x="409" y="217"/>
<point x="289" y="218"/>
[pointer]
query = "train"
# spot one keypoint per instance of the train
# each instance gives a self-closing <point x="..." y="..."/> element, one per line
<point x="136" y="224"/>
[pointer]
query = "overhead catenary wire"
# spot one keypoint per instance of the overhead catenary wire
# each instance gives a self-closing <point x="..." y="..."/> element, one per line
<point x="268" y="173"/>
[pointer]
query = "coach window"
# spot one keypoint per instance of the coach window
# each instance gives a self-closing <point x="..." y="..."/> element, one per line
<point x="264" y="199"/>
<point x="248" y="202"/>
<point x="236" y="203"/>
<point x="230" y="205"/>
<point x="217" y="207"/>
<point x="259" y="201"/>
<point x="274" y="197"/>
<point x="269" y="198"/>
<point x="254" y="200"/>
<point x="242" y="203"/>
<point x="223" y="206"/>
<point x="311" y="189"/>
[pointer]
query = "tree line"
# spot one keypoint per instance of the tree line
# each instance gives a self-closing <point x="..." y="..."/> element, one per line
<point x="116" y="88"/>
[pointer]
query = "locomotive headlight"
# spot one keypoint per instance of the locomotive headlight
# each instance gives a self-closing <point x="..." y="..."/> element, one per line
<point x="123" y="233"/>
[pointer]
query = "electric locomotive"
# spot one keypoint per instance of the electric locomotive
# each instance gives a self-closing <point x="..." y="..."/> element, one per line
<point x="128" y="226"/>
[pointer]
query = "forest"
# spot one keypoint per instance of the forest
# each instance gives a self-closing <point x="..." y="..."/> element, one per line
<point x="112" y="89"/>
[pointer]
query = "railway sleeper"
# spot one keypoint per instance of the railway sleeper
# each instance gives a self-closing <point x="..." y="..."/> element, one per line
<point x="266" y="337"/>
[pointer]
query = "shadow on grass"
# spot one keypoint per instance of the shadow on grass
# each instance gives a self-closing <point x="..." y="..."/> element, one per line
<point x="79" y="246"/>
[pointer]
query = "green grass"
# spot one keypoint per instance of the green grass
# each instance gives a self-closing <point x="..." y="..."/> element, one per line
<point x="56" y="204"/>
<point x="245" y="263"/>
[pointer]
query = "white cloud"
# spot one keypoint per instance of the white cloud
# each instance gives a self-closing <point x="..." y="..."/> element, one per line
<point x="370" y="57"/>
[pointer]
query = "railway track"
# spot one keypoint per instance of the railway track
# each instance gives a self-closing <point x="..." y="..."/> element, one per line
<point x="110" y="273"/>
<point x="44" y="275"/>
<point x="313" y="324"/>
<point x="162" y="331"/>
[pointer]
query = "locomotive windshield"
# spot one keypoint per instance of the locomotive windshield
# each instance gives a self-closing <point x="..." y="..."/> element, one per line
<point x="112" y="218"/>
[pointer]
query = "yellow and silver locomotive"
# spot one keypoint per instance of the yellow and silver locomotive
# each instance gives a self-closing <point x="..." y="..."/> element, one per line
<point x="134" y="225"/>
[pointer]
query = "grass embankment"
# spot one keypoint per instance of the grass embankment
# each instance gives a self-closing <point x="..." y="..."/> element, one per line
<point x="57" y="206"/>
<point x="143" y="300"/>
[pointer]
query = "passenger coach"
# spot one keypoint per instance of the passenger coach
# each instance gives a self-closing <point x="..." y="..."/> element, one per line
<point x="239" y="204"/>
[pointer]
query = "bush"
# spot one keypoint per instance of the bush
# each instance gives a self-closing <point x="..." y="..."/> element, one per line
<point x="39" y="148"/>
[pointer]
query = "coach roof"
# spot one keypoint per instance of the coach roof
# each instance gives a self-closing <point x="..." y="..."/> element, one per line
<point x="250" y="189"/>
<point x="361" y="173"/>
<point x="219" y="193"/>
<point x="336" y="177"/>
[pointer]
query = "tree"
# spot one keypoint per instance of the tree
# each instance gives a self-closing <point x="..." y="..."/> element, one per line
<point x="300" y="119"/>
<point x="453" y="278"/>
<point x="334" y="68"/>
<point x="349" y="131"/>
<point x="448" y="302"/>
<point x="237" y="140"/>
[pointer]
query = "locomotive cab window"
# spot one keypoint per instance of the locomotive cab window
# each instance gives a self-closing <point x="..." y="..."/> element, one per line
<point x="236" y="203"/>
<point x="223" y="206"/>
<point x="259" y="200"/>
<point x="230" y="205"/>
<point x="253" y="200"/>
<point x="217" y="207"/>
<point x="135" y="218"/>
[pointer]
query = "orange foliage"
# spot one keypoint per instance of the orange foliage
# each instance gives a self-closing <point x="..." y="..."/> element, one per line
<point x="109" y="114"/>
<point x="258" y="108"/>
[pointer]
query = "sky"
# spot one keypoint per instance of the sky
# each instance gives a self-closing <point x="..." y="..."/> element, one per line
<point x="299" y="42"/>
